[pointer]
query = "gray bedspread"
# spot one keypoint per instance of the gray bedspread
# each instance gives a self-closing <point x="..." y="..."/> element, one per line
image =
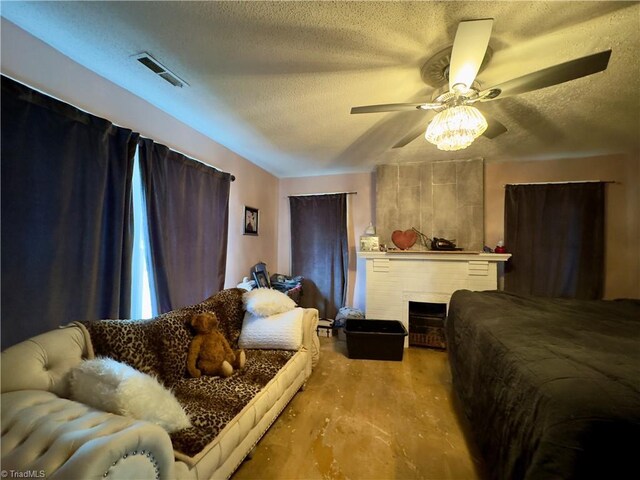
<point x="551" y="387"/>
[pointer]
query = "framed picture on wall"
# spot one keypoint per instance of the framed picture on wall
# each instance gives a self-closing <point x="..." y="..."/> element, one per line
<point x="251" y="221"/>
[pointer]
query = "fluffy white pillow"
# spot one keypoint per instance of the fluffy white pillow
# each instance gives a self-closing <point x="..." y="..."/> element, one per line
<point x="263" y="302"/>
<point x="277" y="332"/>
<point x="115" y="387"/>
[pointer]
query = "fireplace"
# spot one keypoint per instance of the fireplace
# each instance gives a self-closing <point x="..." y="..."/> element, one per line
<point x="396" y="279"/>
<point x="426" y="324"/>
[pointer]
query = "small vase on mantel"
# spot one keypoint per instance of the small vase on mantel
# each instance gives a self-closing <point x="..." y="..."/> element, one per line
<point x="371" y="230"/>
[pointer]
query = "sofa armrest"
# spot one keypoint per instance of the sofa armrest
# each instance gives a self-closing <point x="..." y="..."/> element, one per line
<point x="65" y="439"/>
<point x="310" y="339"/>
<point x="42" y="362"/>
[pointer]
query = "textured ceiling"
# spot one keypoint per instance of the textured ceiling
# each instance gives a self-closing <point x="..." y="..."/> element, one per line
<point x="274" y="82"/>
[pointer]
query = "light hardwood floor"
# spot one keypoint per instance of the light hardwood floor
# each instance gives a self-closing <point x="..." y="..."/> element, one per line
<point x="368" y="419"/>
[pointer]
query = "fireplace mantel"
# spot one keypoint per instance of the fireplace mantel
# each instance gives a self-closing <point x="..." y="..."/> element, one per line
<point x="393" y="279"/>
<point x="443" y="255"/>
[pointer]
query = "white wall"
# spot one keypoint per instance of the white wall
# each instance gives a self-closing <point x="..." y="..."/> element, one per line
<point x="30" y="61"/>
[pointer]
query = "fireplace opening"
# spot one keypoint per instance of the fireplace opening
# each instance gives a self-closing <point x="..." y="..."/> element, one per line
<point x="426" y="325"/>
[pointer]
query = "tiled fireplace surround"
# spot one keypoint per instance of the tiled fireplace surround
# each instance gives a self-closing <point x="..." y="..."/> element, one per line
<point x="439" y="199"/>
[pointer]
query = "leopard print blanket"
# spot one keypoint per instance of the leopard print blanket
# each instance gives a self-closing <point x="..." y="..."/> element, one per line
<point x="159" y="347"/>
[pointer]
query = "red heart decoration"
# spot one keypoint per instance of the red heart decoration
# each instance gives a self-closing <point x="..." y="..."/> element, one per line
<point x="404" y="240"/>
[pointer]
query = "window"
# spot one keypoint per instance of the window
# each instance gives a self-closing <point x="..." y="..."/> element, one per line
<point x="142" y="292"/>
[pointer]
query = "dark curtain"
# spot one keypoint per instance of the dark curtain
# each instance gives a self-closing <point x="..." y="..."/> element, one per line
<point x="66" y="214"/>
<point x="187" y="206"/>
<point x="555" y="233"/>
<point x="319" y="250"/>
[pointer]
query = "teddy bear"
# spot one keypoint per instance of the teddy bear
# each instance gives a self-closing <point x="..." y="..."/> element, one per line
<point x="209" y="352"/>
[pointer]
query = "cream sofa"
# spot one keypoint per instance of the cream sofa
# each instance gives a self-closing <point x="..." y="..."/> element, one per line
<point x="46" y="434"/>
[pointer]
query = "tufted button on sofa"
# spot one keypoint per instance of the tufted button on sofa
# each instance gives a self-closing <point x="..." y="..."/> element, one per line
<point x="47" y="435"/>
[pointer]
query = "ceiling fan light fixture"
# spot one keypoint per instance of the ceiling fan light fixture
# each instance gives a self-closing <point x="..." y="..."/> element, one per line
<point x="456" y="127"/>
<point x="461" y="88"/>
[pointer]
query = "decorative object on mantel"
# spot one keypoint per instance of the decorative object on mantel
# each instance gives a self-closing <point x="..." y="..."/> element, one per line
<point x="371" y="230"/>
<point x="443" y="244"/>
<point x="426" y="241"/>
<point x="404" y="240"/>
<point x="438" y="244"/>
<point x="369" y="244"/>
<point x="500" y="248"/>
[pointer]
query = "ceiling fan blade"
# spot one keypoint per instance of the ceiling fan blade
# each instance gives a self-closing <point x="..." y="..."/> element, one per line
<point x="494" y="127"/>
<point x="469" y="48"/>
<point x="416" y="131"/>
<point x="564" y="72"/>
<point x="410" y="137"/>
<point x="389" y="107"/>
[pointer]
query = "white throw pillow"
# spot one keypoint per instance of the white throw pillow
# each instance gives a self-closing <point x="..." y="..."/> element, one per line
<point x="276" y="332"/>
<point x="115" y="387"/>
<point x="264" y="302"/>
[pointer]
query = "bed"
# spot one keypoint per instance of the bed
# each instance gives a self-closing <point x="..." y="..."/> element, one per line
<point x="551" y="387"/>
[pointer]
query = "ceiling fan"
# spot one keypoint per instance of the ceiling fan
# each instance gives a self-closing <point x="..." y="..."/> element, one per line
<point x="457" y="123"/>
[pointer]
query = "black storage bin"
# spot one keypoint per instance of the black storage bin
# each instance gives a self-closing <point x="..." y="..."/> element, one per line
<point x="375" y="339"/>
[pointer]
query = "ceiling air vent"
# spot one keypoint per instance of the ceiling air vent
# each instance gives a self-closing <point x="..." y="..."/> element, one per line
<point x="160" y="70"/>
